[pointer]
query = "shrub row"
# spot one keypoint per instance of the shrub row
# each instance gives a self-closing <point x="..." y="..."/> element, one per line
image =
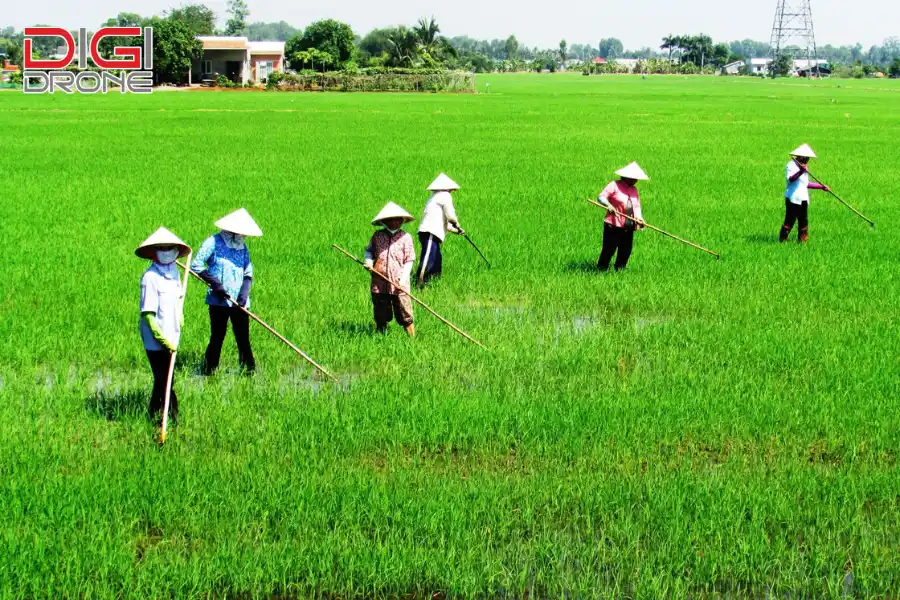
<point x="375" y="80"/>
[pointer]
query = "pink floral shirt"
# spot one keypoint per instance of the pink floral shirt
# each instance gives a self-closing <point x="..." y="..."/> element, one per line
<point x="625" y="199"/>
<point x="393" y="256"/>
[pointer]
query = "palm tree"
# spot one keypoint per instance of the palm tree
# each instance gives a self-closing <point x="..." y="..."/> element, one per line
<point x="427" y="33"/>
<point x="404" y="46"/>
<point x="670" y="42"/>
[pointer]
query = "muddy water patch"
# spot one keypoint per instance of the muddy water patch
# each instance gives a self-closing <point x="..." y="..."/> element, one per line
<point x="581" y="325"/>
<point x="498" y="310"/>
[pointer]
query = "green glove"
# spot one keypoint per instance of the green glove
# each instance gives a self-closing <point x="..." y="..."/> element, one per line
<point x="152" y="322"/>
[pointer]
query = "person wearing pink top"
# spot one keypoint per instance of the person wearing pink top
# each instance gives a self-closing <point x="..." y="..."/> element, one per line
<point x="796" y="195"/>
<point x="391" y="254"/>
<point x="618" y="231"/>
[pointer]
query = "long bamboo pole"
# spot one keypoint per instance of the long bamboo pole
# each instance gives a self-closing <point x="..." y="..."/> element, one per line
<point x="171" y="375"/>
<point x="649" y="226"/>
<point x="425" y="306"/>
<point x="859" y="214"/>
<point x="478" y="250"/>
<point x="300" y="352"/>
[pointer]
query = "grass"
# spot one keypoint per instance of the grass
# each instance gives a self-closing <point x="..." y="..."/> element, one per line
<point x="687" y="427"/>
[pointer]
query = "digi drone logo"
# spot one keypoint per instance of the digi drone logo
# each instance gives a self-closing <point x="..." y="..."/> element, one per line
<point x="131" y="71"/>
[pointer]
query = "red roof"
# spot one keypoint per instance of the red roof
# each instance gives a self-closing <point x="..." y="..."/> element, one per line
<point x="9" y="67"/>
<point x="599" y="61"/>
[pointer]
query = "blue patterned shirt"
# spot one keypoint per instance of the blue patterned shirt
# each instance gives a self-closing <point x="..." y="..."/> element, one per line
<point x="225" y="264"/>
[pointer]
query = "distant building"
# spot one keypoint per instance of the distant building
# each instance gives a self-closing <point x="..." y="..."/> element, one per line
<point x="759" y="66"/>
<point x="803" y="67"/>
<point x="265" y="58"/>
<point x="7" y="70"/>
<point x="59" y="53"/>
<point x="733" y="68"/>
<point x="598" y="61"/>
<point x="237" y="58"/>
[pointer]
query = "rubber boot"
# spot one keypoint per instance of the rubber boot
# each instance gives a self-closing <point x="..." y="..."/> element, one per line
<point x="410" y="330"/>
<point x="804" y="235"/>
<point x="785" y="232"/>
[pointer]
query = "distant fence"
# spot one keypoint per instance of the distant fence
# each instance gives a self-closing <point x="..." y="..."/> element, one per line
<point x="447" y="81"/>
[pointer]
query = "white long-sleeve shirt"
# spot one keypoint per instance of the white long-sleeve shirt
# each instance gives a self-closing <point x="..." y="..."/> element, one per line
<point x="438" y="216"/>
<point x="798" y="190"/>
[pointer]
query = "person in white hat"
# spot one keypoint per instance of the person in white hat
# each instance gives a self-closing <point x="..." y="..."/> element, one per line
<point x="161" y="310"/>
<point x="618" y="231"/>
<point x="223" y="262"/>
<point x="438" y="218"/>
<point x="796" y="196"/>
<point x="391" y="253"/>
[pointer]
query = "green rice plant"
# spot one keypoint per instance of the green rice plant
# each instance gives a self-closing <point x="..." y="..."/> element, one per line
<point x="686" y="427"/>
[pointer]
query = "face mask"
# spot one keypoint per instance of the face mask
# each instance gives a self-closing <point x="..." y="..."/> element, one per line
<point x="233" y="240"/>
<point x="167" y="257"/>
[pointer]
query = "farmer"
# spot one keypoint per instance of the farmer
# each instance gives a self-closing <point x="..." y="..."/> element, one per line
<point x="161" y="310"/>
<point x="796" y="196"/>
<point x="439" y="218"/>
<point x="223" y="262"/>
<point x="618" y="231"/>
<point x="391" y="253"/>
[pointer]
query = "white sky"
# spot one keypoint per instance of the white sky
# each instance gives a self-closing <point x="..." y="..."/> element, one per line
<point x="637" y="22"/>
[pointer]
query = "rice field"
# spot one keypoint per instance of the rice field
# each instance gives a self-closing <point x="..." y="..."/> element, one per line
<point x="684" y="428"/>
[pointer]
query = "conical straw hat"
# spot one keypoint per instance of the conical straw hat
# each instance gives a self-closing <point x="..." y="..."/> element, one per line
<point x="805" y="151"/>
<point x="391" y="211"/>
<point x="443" y="184"/>
<point x="239" y="222"/>
<point x="633" y="171"/>
<point x="161" y="237"/>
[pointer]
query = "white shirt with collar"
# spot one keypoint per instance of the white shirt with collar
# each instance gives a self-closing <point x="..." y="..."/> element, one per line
<point x="161" y="295"/>
<point x="797" y="191"/>
<point x="439" y="212"/>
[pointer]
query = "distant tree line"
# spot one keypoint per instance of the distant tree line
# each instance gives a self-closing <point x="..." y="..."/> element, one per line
<point x="331" y="45"/>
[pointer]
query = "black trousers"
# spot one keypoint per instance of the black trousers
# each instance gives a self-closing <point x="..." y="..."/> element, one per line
<point x="159" y="364"/>
<point x="218" y="328"/>
<point x="430" y="259"/>
<point x="794" y="213"/>
<point x="618" y="241"/>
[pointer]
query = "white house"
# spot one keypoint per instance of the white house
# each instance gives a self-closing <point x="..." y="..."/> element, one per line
<point x="803" y="67"/>
<point x="237" y="58"/>
<point x="733" y="68"/>
<point x="759" y="66"/>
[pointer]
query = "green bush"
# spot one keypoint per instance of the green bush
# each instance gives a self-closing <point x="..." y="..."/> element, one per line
<point x="850" y="72"/>
<point x="379" y="80"/>
<point x="274" y="79"/>
<point x="894" y="69"/>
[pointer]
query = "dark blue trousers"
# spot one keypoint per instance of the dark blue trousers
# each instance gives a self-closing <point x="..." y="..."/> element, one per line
<point x="430" y="260"/>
